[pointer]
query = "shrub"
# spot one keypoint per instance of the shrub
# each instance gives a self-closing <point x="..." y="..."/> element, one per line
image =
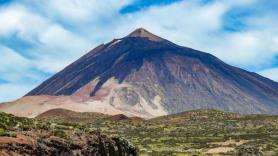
<point x="59" y="133"/>
<point x="8" y="134"/>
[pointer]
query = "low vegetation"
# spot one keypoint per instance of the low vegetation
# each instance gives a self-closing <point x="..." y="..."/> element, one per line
<point x="199" y="132"/>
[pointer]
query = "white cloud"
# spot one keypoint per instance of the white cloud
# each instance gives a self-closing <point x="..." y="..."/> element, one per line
<point x="52" y="43"/>
<point x="80" y="10"/>
<point x="17" y="19"/>
<point x="12" y="91"/>
<point x="60" y="47"/>
<point x="9" y="57"/>
<point x="93" y="19"/>
<point x="85" y="10"/>
<point x="271" y="73"/>
<point x="12" y="65"/>
<point x="14" y="68"/>
<point x="245" y="49"/>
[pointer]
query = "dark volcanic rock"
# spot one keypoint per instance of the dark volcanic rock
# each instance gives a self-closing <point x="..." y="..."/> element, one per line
<point x="165" y="77"/>
<point x="87" y="145"/>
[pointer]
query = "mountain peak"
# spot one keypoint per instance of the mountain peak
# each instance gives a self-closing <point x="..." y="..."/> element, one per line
<point x="147" y="76"/>
<point x="141" y="32"/>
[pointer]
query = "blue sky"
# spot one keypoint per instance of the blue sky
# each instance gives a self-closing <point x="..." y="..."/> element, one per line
<point x="40" y="37"/>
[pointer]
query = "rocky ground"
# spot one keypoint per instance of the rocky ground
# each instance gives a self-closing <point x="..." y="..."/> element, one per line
<point x="21" y="136"/>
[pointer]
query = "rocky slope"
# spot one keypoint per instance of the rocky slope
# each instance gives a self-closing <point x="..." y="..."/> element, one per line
<point x="147" y="76"/>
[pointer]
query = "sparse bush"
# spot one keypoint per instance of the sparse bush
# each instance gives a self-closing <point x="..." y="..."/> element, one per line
<point x="59" y="133"/>
<point x="8" y="134"/>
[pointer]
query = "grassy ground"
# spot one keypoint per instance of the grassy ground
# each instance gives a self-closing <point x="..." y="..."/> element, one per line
<point x="200" y="132"/>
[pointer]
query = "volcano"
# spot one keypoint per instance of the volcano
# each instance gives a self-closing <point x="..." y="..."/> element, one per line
<point x="147" y="76"/>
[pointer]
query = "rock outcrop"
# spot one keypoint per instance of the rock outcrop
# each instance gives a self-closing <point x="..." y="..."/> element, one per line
<point x="93" y="144"/>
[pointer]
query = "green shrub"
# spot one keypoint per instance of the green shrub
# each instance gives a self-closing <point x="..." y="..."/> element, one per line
<point x="8" y="134"/>
<point x="59" y="133"/>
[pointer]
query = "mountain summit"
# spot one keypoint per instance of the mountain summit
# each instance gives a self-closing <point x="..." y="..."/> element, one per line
<point x="147" y="76"/>
<point x="141" y="32"/>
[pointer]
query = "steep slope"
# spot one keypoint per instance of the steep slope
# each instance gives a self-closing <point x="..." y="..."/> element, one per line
<point x="145" y="75"/>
